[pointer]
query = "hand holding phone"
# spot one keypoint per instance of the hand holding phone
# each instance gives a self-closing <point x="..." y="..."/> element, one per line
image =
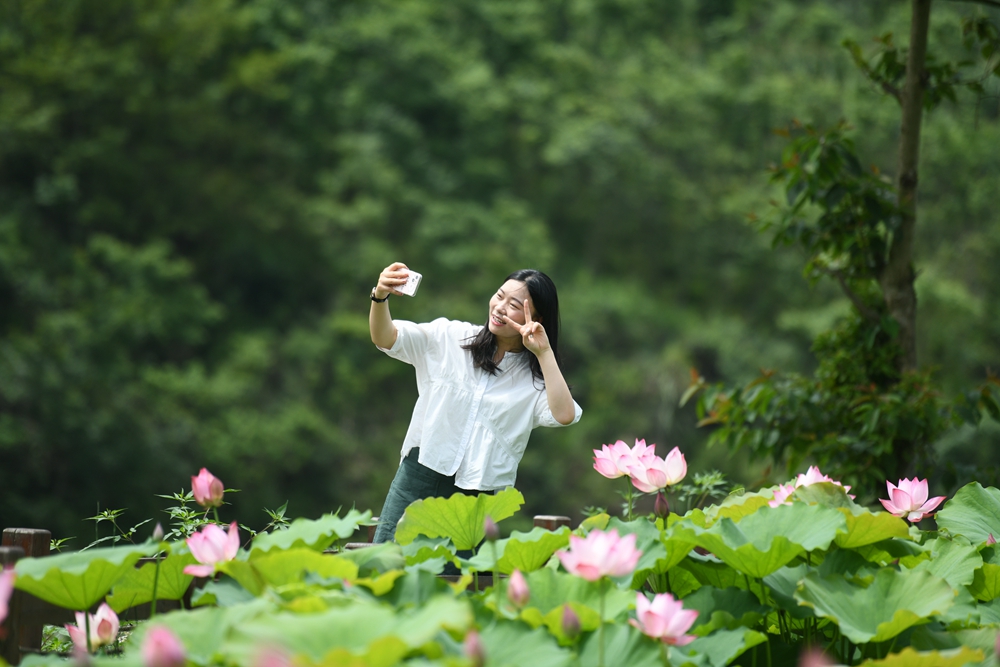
<point x="412" y="283"/>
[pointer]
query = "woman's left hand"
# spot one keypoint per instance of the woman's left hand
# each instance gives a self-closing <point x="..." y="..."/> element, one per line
<point x="533" y="334"/>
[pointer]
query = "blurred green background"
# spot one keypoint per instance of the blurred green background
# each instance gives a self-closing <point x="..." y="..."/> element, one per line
<point x="196" y="197"/>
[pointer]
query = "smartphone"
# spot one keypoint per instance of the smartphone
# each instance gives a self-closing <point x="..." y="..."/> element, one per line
<point x="412" y="283"/>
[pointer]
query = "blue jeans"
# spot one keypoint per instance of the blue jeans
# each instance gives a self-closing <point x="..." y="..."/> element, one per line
<point x="413" y="481"/>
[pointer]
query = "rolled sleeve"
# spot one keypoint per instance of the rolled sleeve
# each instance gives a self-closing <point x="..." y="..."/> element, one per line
<point x="544" y="417"/>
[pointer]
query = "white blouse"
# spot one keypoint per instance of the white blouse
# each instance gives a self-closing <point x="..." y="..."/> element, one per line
<point x="467" y="422"/>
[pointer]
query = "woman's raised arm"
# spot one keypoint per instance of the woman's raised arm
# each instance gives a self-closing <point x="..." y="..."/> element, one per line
<point x="380" y="324"/>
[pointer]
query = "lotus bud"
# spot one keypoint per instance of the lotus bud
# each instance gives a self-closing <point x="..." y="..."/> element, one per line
<point x="517" y="589"/>
<point x="473" y="647"/>
<point x="570" y="622"/>
<point x="158" y="533"/>
<point x="491" y="528"/>
<point x="207" y="489"/>
<point x="661" y="507"/>
<point x="162" y="648"/>
<point x="991" y="539"/>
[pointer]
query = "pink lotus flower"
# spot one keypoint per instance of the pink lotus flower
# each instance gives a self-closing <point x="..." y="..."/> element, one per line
<point x="653" y="474"/>
<point x="162" y="648"/>
<point x="207" y="489"/>
<point x="664" y="618"/>
<point x="517" y="589"/>
<point x="103" y="629"/>
<point x="814" y="476"/>
<point x="600" y="554"/>
<point x="909" y="499"/>
<point x="781" y="494"/>
<point x="614" y="461"/>
<point x="7" y="577"/>
<point x="211" y="546"/>
<point x="989" y="540"/>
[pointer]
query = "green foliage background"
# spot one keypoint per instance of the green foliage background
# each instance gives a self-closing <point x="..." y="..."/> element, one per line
<point x="196" y="197"/>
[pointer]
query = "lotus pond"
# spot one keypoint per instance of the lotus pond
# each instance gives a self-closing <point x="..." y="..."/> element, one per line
<point x="771" y="577"/>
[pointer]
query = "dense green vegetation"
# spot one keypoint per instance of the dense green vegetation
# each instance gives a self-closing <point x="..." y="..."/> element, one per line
<point x="196" y="197"/>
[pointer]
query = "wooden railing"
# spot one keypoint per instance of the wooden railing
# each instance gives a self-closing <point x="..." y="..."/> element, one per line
<point x="21" y="632"/>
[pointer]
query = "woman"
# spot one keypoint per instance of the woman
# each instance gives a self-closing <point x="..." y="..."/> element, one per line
<point x="482" y="389"/>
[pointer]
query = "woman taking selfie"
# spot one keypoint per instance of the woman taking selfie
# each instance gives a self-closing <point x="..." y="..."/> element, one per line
<point x="482" y="389"/>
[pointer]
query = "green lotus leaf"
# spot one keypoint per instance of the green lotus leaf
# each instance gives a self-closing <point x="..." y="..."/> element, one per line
<point x="383" y="652"/>
<point x="955" y="561"/>
<point x="724" y="608"/>
<point x="719" y="648"/>
<point x="222" y="592"/>
<point x="680" y="582"/>
<point x="79" y="579"/>
<point x="624" y="646"/>
<point x="280" y="568"/>
<point x="459" y="517"/>
<point x="354" y="628"/>
<point x="382" y="583"/>
<point x="316" y="534"/>
<point x="530" y="551"/>
<point x="709" y="571"/>
<point x="848" y="563"/>
<point x="551" y="589"/>
<point x="985" y="584"/>
<point x="596" y="522"/>
<point x="425" y="548"/>
<point x="783" y="584"/>
<point x="736" y="507"/>
<point x="963" y="613"/>
<point x="908" y="657"/>
<point x="973" y="512"/>
<point x="507" y="644"/>
<point x="770" y="538"/>
<point x="895" y="601"/>
<point x="135" y="587"/>
<point x="376" y="559"/>
<point x="865" y="527"/>
<point x="416" y="587"/>
<point x="989" y="613"/>
<point x="660" y="551"/>
<point x="887" y="551"/>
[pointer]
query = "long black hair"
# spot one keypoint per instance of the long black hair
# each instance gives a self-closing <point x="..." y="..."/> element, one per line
<point x="545" y="301"/>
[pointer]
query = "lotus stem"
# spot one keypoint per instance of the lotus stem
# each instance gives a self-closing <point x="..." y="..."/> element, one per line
<point x="600" y="642"/>
<point x="496" y="576"/>
<point x="86" y="629"/>
<point x="156" y="583"/>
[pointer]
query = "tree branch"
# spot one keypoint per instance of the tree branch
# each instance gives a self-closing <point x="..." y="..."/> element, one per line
<point x="866" y="311"/>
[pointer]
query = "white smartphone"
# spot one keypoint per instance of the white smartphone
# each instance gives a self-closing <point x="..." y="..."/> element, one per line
<point x="412" y="283"/>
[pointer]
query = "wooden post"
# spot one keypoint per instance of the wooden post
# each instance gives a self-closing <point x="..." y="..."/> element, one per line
<point x="551" y="521"/>
<point x="32" y="543"/>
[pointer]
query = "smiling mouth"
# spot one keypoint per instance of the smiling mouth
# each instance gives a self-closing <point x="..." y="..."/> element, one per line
<point x="497" y="320"/>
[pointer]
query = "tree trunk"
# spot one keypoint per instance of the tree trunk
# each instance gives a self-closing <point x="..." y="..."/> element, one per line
<point x="898" y="276"/>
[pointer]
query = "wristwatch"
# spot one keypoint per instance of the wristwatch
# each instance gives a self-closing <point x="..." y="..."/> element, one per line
<point x="378" y="300"/>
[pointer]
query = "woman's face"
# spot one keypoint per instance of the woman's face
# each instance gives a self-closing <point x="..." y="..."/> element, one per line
<point x="509" y="300"/>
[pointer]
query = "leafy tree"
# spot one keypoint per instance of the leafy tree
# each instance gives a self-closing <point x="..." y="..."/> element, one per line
<point x="868" y="410"/>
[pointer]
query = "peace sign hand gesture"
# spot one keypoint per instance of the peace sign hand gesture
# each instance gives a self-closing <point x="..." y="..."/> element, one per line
<point x="533" y="334"/>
